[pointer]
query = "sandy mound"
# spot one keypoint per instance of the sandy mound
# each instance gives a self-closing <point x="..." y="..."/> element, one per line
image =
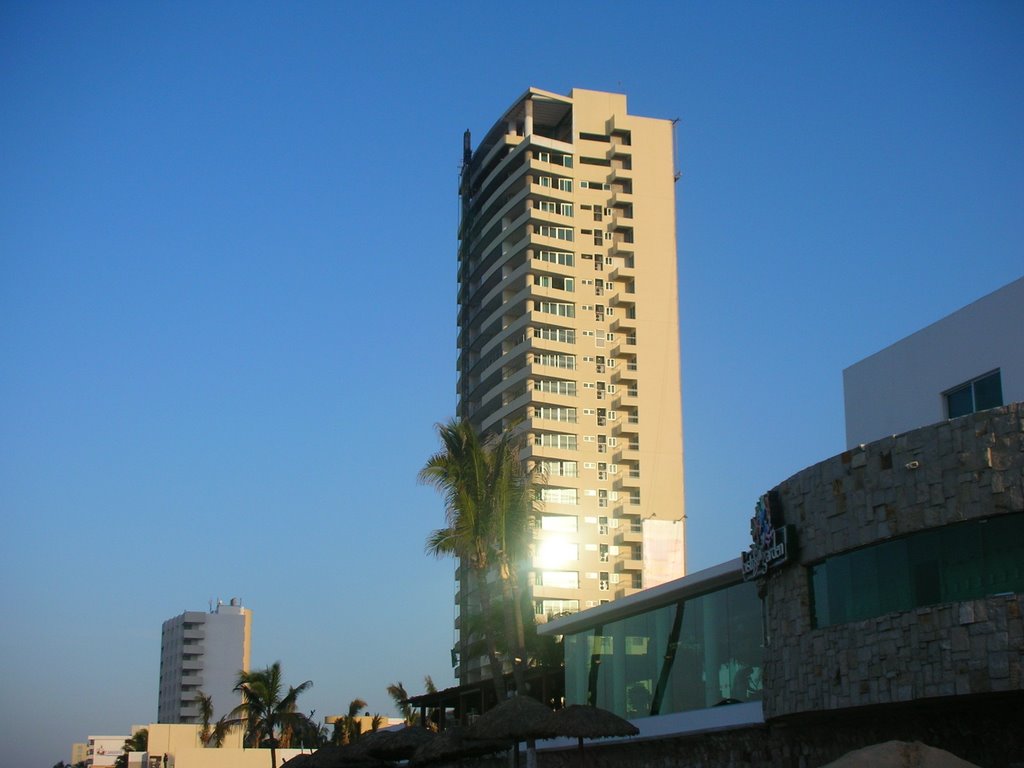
<point x="900" y="754"/>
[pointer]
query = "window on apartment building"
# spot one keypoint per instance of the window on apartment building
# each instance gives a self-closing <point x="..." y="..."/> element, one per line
<point x="560" y="579"/>
<point x="556" y="413"/>
<point x="556" y="308"/>
<point x="555" y="608"/>
<point x="565" y="185"/>
<point x="555" y="257"/>
<point x="560" y="523"/>
<point x="564" y="335"/>
<point x="556" y="386"/>
<point x="555" y="360"/>
<point x="559" y="233"/>
<point x="559" y="469"/>
<point x="554" y="281"/>
<point x="555" y="440"/>
<point x="559" y="495"/>
<point x="977" y="395"/>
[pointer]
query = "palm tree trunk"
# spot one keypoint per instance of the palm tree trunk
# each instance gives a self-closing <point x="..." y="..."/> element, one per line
<point x="497" y="670"/>
<point x="515" y="639"/>
<point x="520" y="630"/>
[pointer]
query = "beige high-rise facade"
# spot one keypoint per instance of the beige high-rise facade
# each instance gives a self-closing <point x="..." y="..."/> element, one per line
<point x="569" y="333"/>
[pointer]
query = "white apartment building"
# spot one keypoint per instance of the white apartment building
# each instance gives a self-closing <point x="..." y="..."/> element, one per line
<point x="569" y="333"/>
<point x="968" y="361"/>
<point x="203" y="651"/>
<point x="103" y="750"/>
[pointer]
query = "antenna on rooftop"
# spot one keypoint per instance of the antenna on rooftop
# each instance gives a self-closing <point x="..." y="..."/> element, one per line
<point x="675" y="149"/>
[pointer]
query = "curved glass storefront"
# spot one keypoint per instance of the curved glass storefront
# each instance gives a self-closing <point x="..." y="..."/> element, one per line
<point x="690" y="654"/>
<point x="964" y="561"/>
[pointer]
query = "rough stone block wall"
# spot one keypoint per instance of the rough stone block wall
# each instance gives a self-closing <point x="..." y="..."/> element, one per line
<point x="966" y="468"/>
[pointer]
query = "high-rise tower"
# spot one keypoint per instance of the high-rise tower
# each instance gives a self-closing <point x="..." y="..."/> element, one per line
<point x="568" y="332"/>
<point x="203" y="651"/>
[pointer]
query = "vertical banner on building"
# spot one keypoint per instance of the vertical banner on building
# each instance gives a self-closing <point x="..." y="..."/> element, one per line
<point x="663" y="551"/>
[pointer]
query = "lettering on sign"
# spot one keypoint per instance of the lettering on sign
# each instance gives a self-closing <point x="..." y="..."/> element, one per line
<point x="770" y="539"/>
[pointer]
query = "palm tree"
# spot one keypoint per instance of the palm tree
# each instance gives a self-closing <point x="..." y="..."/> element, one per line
<point x="347" y="729"/>
<point x="310" y="735"/>
<point x="515" y="508"/>
<point x="268" y="717"/>
<point x="220" y="730"/>
<point x="205" y="704"/>
<point x="400" y="696"/>
<point x="137" y="742"/>
<point x="488" y="504"/>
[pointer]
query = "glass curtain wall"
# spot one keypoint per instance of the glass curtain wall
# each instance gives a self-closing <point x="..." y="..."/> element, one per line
<point x="691" y="654"/>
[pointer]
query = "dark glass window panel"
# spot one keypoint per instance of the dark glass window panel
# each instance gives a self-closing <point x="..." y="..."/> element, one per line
<point x="925" y="551"/>
<point x="1003" y="546"/>
<point x="960" y="402"/>
<point x="819" y="595"/>
<point x="893" y="583"/>
<point x="840" y="586"/>
<point x="988" y="392"/>
<point x="960" y="562"/>
<point x="863" y="587"/>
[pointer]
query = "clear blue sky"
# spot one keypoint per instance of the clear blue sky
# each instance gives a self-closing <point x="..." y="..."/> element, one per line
<point x="222" y="360"/>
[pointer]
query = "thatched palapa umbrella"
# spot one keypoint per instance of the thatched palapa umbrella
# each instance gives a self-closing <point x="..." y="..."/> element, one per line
<point x="396" y="744"/>
<point x="453" y="745"/>
<point x="515" y="719"/>
<point x="586" y="722"/>
<point x="338" y="757"/>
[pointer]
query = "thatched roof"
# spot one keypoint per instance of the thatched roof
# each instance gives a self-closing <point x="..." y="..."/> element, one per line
<point x="453" y="745"/>
<point x="584" y="721"/>
<point x="393" y="744"/>
<point x="517" y="718"/>
<point x="339" y="757"/>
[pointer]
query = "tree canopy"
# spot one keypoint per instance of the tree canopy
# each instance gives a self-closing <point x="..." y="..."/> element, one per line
<point x="490" y="501"/>
<point x="268" y="713"/>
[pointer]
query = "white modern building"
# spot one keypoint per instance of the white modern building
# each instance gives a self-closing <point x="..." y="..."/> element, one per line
<point x="202" y="651"/>
<point x="104" y="750"/>
<point x="969" y="361"/>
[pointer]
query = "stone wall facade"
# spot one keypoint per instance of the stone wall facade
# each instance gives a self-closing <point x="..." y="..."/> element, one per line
<point x="963" y="469"/>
